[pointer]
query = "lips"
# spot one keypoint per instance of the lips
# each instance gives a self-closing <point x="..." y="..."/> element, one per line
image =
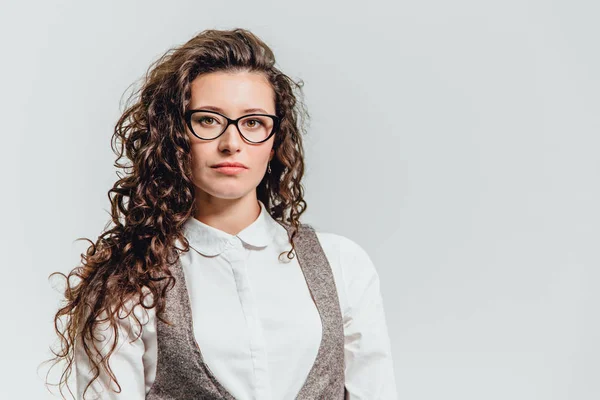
<point x="229" y="164"/>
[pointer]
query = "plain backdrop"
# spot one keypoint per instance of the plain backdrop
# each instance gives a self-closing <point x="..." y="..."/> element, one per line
<point x="457" y="142"/>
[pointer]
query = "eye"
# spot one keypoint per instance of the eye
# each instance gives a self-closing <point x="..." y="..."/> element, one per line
<point x="203" y="119"/>
<point x="253" y="123"/>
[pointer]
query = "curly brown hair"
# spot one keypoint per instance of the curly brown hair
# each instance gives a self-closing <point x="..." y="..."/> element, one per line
<point x="135" y="255"/>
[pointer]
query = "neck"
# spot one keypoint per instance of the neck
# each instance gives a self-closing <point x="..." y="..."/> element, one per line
<point x="228" y="215"/>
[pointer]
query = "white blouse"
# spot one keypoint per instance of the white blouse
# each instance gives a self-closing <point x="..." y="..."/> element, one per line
<point x="255" y="320"/>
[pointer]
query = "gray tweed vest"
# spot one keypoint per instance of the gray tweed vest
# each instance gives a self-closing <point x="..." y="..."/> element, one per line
<point x="181" y="373"/>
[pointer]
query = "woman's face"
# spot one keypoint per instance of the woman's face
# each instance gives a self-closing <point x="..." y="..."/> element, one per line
<point x="233" y="94"/>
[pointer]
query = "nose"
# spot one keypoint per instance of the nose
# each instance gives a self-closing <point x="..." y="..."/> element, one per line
<point x="230" y="139"/>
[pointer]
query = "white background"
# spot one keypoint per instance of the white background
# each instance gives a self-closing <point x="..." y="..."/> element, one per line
<point x="457" y="142"/>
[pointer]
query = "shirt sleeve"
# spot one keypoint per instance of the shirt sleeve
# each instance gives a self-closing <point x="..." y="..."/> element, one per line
<point x="369" y="370"/>
<point x="126" y="361"/>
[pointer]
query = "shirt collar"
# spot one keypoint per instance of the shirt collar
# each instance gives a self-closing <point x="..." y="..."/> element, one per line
<point x="211" y="241"/>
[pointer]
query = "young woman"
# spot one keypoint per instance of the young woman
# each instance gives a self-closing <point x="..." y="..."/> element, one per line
<point x="208" y="286"/>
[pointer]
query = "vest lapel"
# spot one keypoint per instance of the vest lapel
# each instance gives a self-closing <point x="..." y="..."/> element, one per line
<point x="326" y="377"/>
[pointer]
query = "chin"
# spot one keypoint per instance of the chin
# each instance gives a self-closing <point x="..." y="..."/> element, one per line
<point x="226" y="193"/>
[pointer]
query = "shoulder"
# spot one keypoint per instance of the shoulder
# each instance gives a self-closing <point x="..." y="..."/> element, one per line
<point x="350" y="263"/>
<point x="353" y="257"/>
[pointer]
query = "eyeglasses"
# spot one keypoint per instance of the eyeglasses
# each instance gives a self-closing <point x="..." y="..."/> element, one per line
<point x="208" y="125"/>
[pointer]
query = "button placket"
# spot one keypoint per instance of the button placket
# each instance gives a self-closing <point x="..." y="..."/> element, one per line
<point x="237" y="257"/>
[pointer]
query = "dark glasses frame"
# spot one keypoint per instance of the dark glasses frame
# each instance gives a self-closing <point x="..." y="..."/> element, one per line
<point x="188" y="120"/>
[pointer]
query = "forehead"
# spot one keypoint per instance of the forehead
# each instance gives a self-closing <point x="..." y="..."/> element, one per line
<point x="232" y="91"/>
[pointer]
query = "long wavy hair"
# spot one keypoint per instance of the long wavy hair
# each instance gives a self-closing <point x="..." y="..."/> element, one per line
<point x="154" y="195"/>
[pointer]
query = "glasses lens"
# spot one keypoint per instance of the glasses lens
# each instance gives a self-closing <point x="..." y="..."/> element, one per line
<point x="256" y="127"/>
<point x="207" y="125"/>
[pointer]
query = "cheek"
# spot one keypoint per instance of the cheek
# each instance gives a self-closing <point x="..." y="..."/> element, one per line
<point x="260" y="157"/>
<point x="198" y="161"/>
<point x="203" y="151"/>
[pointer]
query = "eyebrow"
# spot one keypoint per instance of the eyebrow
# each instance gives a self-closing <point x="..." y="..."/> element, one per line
<point x="218" y="109"/>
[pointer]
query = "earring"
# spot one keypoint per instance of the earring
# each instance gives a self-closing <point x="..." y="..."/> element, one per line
<point x="269" y="167"/>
